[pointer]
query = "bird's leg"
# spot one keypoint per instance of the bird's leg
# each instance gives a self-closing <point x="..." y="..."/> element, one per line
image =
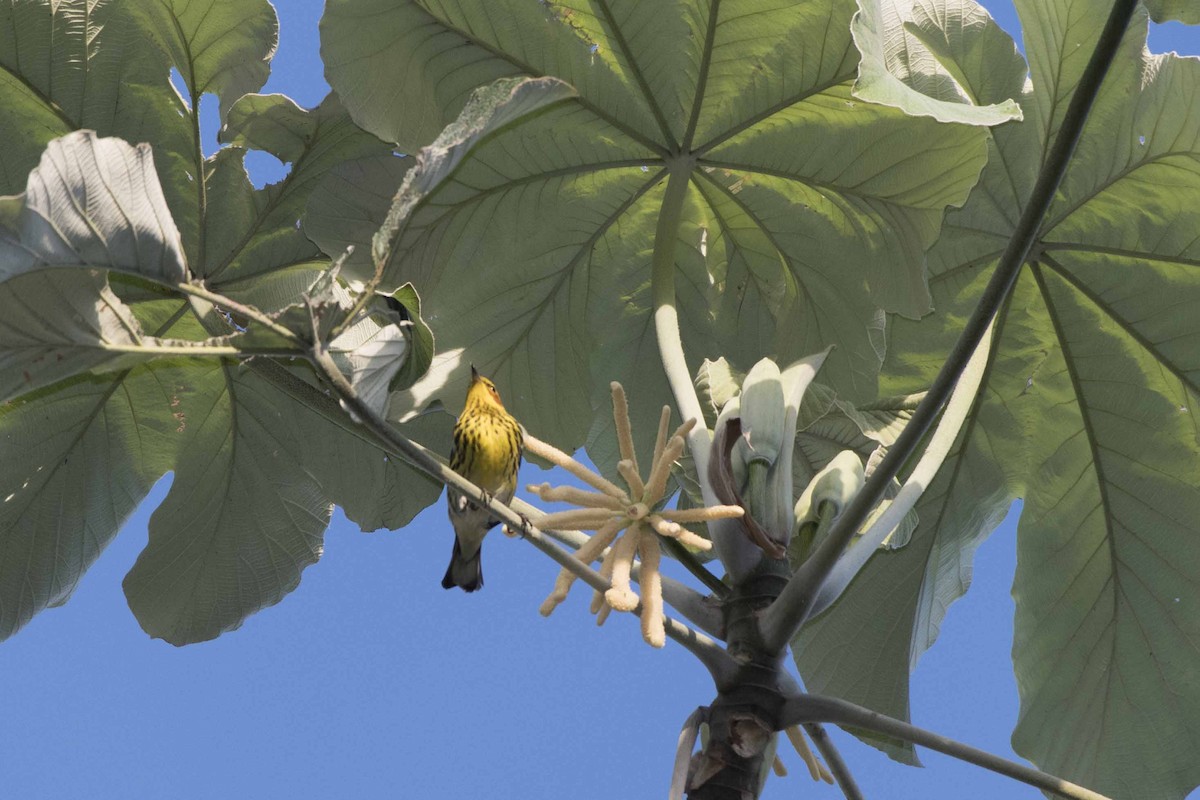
<point x="523" y="531"/>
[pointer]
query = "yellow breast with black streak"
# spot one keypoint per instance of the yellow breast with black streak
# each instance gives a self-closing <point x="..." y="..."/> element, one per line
<point x="487" y="441"/>
<point x="487" y="449"/>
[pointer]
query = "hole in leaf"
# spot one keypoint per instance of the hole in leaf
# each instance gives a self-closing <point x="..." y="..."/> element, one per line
<point x="265" y="168"/>
<point x="210" y="123"/>
<point x="181" y="86"/>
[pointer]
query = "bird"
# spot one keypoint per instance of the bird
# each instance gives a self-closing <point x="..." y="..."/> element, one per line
<point x="487" y="452"/>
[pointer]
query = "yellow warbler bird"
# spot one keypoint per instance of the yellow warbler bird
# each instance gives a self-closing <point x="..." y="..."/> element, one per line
<point x="487" y="452"/>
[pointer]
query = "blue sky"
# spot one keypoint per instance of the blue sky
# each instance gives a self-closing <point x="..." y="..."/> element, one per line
<point x="372" y="681"/>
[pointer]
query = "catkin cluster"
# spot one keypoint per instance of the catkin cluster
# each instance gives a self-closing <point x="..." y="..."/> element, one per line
<point x="611" y="510"/>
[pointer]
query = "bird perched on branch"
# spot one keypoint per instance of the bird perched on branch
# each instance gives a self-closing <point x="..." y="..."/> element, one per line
<point x="487" y="452"/>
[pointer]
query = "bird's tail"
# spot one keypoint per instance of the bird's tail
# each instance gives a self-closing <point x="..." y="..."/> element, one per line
<point x="465" y="572"/>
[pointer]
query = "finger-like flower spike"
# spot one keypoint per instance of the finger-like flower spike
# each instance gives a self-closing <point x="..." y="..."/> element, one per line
<point x="626" y="522"/>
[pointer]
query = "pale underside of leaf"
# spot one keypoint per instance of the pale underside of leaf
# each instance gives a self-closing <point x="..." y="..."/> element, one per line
<point x="92" y="202"/>
<point x="917" y="55"/>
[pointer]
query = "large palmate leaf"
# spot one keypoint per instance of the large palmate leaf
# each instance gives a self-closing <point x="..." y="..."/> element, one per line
<point x="255" y="251"/>
<point x="61" y="311"/>
<point x="1088" y="411"/>
<point x="252" y="495"/>
<point x="801" y="209"/>
<point x="133" y="233"/>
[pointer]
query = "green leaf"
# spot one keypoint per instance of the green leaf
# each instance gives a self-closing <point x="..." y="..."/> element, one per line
<point x="58" y="73"/>
<point x="220" y="47"/>
<point x="1087" y="411"/>
<point x="92" y="205"/>
<point x="897" y="602"/>
<point x="829" y="425"/>
<point x="70" y="65"/>
<point x="1108" y="562"/>
<point x="1181" y="10"/>
<point x="490" y="108"/>
<point x="361" y="42"/>
<point x="375" y="490"/>
<point x="420" y="356"/>
<point x="59" y="323"/>
<point x="253" y="236"/>
<point x="916" y="56"/>
<point x="813" y="208"/>
<point x="242" y="519"/>
<point x="884" y="419"/>
<point x="350" y="205"/>
<point x="89" y="450"/>
<point x="379" y="491"/>
<point x="259" y="474"/>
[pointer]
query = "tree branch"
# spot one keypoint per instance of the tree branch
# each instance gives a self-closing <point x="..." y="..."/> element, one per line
<point x="989" y="304"/>
<point x="806" y="595"/>
<point x="687" y="601"/>
<point x="200" y="350"/>
<point x="805" y="709"/>
<point x="719" y="664"/>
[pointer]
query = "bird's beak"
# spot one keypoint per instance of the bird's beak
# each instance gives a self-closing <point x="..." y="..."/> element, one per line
<point x="474" y="374"/>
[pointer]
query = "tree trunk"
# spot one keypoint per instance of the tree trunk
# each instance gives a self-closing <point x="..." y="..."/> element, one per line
<point x="745" y="715"/>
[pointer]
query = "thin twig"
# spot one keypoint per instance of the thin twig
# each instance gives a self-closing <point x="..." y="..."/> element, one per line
<point x="249" y="312"/>
<point x="814" y="708"/>
<point x="833" y="759"/>
<point x="693" y="565"/>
